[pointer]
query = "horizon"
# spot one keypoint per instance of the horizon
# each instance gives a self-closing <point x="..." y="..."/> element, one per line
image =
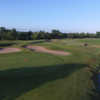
<point x="66" y="16"/>
<point x="26" y="30"/>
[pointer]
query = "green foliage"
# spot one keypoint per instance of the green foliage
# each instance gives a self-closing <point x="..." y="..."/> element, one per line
<point x="98" y="34"/>
<point x="2" y="33"/>
<point x="12" y="34"/>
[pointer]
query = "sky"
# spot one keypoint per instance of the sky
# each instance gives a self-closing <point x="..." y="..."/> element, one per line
<point x="65" y="15"/>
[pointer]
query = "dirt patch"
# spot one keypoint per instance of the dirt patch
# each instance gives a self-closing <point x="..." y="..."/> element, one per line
<point x="9" y="50"/>
<point x="96" y="46"/>
<point x="45" y="50"/>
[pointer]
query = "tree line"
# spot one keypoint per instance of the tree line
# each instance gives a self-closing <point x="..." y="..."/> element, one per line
<point x="13" y="34"/>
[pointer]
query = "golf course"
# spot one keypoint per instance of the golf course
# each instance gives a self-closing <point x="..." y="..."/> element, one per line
<point x="54" y="70"/>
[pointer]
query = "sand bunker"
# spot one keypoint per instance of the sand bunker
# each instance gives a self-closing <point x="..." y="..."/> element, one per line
<point x="45" y="50"/>
<point x="9" y="50"/>
<point x="96" y="46"/>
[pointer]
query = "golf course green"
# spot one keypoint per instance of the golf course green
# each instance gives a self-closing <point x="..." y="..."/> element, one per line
<point x="31" y="75"/>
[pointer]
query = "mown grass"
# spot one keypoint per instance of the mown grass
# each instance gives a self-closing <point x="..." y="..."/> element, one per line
<point x="30" y="75"/>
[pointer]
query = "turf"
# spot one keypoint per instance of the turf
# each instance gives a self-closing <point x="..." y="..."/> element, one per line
<point x="28" y="75"/>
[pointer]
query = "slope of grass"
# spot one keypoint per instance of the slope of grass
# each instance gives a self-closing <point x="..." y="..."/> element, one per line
<point x="29" y="75"/>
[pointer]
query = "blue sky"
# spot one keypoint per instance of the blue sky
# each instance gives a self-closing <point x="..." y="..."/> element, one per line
<point x="65" y="15"/>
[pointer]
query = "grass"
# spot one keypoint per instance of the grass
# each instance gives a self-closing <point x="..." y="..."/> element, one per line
<point x="29" y="75"/>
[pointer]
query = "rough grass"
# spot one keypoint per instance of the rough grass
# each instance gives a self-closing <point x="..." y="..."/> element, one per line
<point x="29" y="75"/>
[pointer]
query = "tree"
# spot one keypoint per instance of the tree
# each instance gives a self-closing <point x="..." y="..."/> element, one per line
<point x="2" y="32"/>
<point x="35" y="35"/>
<point x="70" y="35"/>
<point x="23" y="36"/>
<point x="9" y="36"/>
<point x="14" y="33"/>
<point x="29" y="35"/>
<point x="82" y="35"/>
<point x="98" y="34"/>
<point x="41" y="35"/>
<point x="56" y="34"/>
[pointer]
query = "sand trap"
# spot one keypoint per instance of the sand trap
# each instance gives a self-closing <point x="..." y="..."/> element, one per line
<point x="96" y="46"/>
<point x="45" y="50"/>
<point x="9" y="50"/>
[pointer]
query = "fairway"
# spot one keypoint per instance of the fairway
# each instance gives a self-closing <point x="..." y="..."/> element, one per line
<point x="45" y="50"/>
<point x="30" y="75"/>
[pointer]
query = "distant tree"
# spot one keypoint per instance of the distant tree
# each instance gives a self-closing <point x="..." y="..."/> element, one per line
<point x="9" y="36"/>
<point x="23" y="36"/>
<point x="35" y="36"/>
<point x="14" y="34"/>
<point x="70" y="35"/>
<point x="2" y="32"/>
<point x="98" y="34"/>
<point x="29" y="35"/>
<point x="92" y="35"/>
<point x="82" y="35"/>
<point x="48" y="35"/>
<point x="76" y="35"/>
<point x="64" y="35"/>
<point x="56" y="34"/>
<point x="41" y="35"/>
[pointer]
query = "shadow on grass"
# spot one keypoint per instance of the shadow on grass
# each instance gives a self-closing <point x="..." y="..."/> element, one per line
<point x="37" y="42"/>
<point x="7" y="44"/>
<point x="95" y="92"/>
<point x="15" y="82"/>
<point x="34" y="42"/>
